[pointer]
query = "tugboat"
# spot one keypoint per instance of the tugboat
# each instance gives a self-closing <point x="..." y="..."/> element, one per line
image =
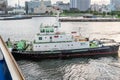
<point x="51" y="43"/>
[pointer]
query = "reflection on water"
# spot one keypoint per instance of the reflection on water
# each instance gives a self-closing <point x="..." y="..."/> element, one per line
<point x="107" y="68"/>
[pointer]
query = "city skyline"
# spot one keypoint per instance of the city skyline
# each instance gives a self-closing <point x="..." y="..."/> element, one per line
<point x="13" y="2"/>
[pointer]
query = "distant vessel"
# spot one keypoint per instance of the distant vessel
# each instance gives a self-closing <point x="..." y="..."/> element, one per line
<point x="51" y="43"/>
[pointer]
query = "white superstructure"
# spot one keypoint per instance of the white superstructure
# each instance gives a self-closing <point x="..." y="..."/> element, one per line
<point x="50" y="39"/>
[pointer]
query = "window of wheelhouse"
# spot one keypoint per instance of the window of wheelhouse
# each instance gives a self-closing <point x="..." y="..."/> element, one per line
<point x="51" y="30"/>
<point x="47" y="30"/>
<point x="42" y="30"/>
<point x="40" y="38"/>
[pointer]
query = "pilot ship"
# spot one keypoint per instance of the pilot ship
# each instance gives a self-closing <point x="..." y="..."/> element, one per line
<point x="51" y="43"/>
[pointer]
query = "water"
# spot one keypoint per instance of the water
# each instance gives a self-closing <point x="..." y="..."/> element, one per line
<point x="72" y="69"/>
<point x="104" y="68"/>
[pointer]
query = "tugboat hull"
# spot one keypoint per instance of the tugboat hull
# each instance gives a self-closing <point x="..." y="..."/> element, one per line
<point x="63" y="54"/>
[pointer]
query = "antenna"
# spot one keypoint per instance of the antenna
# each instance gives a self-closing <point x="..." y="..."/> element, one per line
<point x="58" y="16"/>
<point x="57" y="21"/>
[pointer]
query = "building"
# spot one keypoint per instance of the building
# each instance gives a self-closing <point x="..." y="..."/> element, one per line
<point x="63" y="6"/>
<point x="95" y="7"/>
<point x="43" y="9"/>
<point x="73" y="4"/>
<point x="115" y="4"/>
<point x="17" y="11"/>
<point x="101" y="8"/>
<point x="82" y="5"/>
<point x="30" y="5"/>
<point x="3" y="6"/>
<point x="105" y="8"/>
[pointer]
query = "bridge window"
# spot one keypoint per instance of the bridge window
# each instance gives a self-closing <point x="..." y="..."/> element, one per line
<point x="47" y="30"/>
<point x="40" y="38"/>
<point x="51" y="30"/>
<point x="42" y="30"/>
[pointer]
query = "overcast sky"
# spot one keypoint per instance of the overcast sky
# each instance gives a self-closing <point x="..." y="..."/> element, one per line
<point x="13" y="2"/>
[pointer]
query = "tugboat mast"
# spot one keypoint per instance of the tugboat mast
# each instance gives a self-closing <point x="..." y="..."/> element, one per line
<point x="57" y="21"/>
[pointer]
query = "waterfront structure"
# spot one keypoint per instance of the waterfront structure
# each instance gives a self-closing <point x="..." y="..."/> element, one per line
<point x="101" y="8"/>
<point x="17" y="11"/>
<point x="82" y="5"/>
<point x="3" y="6"/>
<point x="95" y="7"/>
<point x="63" y="6"/>
<point x="115" y="5"/>
<point x="43" y="9"/>
<point x="30" y="5"/>
<point x="105" y="8"/>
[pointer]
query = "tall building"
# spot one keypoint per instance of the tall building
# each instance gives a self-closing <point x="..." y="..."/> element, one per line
<point x="73" y="4"/>
<point x="82" y="5"/>
<point x="115" y="4"/>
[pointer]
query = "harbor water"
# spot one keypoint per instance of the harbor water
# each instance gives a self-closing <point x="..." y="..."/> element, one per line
<point x="103" y="68"/>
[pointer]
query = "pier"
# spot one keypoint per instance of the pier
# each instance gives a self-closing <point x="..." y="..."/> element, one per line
<point x="10" y="62"/>
<point x="89" y="20"/>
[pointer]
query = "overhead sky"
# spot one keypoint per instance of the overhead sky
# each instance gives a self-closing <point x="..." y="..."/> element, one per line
<point x="13" y="2"/>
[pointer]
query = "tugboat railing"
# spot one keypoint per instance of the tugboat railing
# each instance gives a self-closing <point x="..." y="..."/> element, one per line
<point x="11" y="63"/>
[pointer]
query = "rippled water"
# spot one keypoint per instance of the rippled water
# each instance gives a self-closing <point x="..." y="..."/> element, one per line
<point x="72" y="69"/>
<point x="104" y="68"/>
